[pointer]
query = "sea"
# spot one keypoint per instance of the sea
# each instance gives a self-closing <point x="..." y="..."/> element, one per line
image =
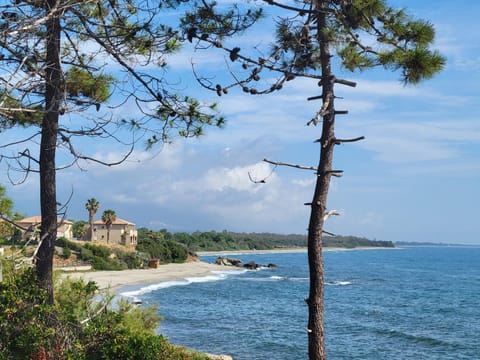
<point x="403" y="303"/>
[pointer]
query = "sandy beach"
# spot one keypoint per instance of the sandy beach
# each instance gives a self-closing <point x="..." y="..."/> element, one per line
<point x="113" y="280"/>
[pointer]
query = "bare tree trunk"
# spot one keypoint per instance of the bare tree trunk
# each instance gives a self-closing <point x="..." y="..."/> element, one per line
<point x="48" y="197"/>
<point x="316" y="334"/>
<point x="90" y="221"/>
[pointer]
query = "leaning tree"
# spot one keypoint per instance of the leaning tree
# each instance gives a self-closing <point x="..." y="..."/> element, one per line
<point x="312" y="39"/>
<point x="67" y="68"/>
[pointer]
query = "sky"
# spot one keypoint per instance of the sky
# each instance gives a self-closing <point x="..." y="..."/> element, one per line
<point x="415" y="177"/>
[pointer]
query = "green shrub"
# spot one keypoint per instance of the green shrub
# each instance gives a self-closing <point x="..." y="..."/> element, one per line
<point x="98" y="250"/>
<point x="63" y="242"/>
<point x="27" y="324"/>
<point x="74" y="328"/>
<point x="86" y="254"/>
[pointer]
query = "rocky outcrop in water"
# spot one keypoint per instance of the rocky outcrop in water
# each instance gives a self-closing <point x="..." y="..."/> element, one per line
<point x="251" y="265"/>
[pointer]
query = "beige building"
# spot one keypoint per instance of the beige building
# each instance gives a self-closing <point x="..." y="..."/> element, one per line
<point x="64" y="227"/>
<point x="121" y="232"/>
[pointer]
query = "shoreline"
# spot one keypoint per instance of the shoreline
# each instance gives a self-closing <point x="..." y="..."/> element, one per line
<point x="113" y="281"/>
<point x="290" y="250"/>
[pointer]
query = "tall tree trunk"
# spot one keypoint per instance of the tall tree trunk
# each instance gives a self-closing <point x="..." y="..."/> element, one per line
<point x="48" y="197"/>
<point x="90" y="220"/>
<point x="316" y="334"/>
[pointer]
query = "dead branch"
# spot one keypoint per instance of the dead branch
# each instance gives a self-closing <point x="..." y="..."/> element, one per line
<point x="256" y="181"/>
<point x="264" y="180"/>
<point x="339" y="141"/>
<point x="98" y="312"/>
<point x="323" y="111"/>
<point x="78" y="156"/>
<point x="344" y="82"/>
<point x="279" y="163"/>
<point x="330" y="213"/>
<point x="11" y="222"/>
<point x="336" y="173"/>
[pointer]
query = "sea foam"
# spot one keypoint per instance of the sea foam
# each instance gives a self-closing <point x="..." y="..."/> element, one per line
<point x="215" y="276"/>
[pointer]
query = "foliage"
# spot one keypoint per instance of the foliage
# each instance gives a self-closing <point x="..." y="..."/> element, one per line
<point x="79" y="229"/>
<point x="65" y="243"/>
<point x="67" y="253"/>
<point x="103" y="257"/>
<point x="81" y="83"/>
<point x="6" y="209"/>
<point x="351" y="242"/>
<point x="99" y="257"/>
<point x="27" y="324"/>
<point x="55" y="54"/>
<point x="218" y="241"/>
<point x="160" y="245"/>
<point x="6" y="204"/>
<point x="120" y="258"/>
<point x="73" y="328"/>
<point x="76" y="299"/>
<point x="109" y="217"/>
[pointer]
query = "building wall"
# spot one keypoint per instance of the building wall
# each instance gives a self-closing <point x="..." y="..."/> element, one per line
<point x="124" y="234"/>
<point x="64" y="230"/>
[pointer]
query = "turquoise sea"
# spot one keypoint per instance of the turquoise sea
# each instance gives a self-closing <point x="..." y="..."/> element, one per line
<point x="410" y="303"/>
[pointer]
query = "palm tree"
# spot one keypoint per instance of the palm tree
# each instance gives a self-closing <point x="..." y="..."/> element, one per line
<point x="109" y="217"/>
<point x="92" y="207"/>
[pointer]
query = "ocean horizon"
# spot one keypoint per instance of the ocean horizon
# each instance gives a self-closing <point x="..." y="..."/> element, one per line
<point x="407" y="303"/>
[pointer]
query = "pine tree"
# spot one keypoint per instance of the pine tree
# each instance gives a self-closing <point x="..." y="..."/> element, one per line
<point x="312" y="39"/>
<point x="58" y="54"/>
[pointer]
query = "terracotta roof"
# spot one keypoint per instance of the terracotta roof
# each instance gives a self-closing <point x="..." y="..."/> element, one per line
<point x="117" y="221"/>
<point x="38" y="220"/>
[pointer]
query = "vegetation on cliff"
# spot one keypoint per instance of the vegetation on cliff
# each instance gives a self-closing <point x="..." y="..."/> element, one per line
<point x="78" y="325"/>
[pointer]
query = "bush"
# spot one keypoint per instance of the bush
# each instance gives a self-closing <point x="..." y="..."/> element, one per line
<point x="74" y="328"/>
<point x="27" y="324"/>
<point x="98" y="250"/>
<point x="63" y="242"/>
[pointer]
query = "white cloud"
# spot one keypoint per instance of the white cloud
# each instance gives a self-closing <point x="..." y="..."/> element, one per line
<point x="408" y="142"/>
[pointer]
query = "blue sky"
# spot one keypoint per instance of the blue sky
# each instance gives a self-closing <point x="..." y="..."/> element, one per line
<point x="415" y="178"/>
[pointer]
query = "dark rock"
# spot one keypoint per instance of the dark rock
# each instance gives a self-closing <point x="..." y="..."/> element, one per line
<point x="251" y="265"/>
<point x="228" y="261"/>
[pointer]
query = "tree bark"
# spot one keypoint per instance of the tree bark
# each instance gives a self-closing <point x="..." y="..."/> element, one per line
<point x="90" y="221"/>
<point x="48" y="197"/>
<point x="316" y="334"/>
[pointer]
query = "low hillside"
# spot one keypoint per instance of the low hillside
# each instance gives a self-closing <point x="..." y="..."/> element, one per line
<point x="229" y="241"/>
